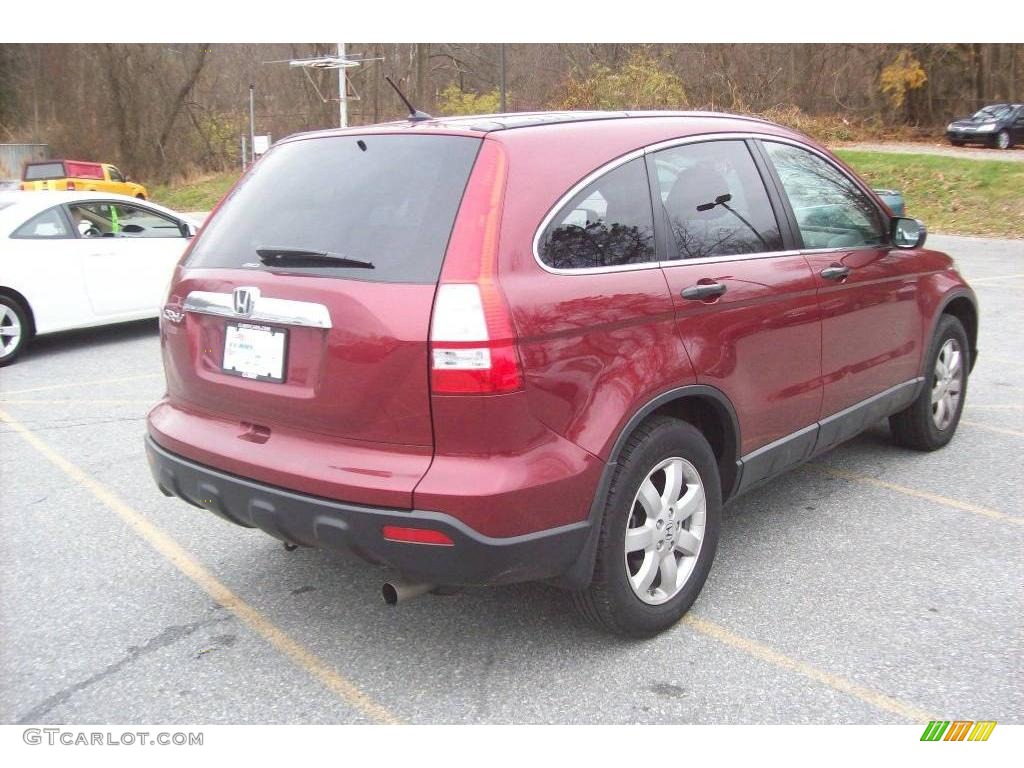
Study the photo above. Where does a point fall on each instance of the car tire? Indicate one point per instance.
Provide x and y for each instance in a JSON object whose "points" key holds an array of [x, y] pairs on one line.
{"points": [[1002, 140], [140, 196], [15, 329], [673, 530], [931, 420]]}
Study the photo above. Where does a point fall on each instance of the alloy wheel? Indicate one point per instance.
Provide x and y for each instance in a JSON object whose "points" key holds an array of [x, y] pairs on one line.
{"points": [[1003, 140], [665, 530], [948, 384], [10, 331]]}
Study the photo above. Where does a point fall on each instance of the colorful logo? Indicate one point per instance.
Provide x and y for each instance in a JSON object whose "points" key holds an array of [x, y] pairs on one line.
{"points": [[958, 730]]}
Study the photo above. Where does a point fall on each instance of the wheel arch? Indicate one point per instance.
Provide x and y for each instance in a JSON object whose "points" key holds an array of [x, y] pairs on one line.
{"points": [[20, 298], [706, 408], [963, 306]]}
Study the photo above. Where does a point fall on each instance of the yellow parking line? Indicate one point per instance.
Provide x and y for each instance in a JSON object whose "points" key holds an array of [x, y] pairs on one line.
{"points": [[997, 430], [763, 652], [933, 497], [180, 559], [83, 384], [1001, 360], [5, 401], [1009, 390], [996, 278]]}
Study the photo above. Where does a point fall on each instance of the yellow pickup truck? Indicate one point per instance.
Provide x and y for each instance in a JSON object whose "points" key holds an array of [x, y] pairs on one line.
{"points": [[76, 175]]}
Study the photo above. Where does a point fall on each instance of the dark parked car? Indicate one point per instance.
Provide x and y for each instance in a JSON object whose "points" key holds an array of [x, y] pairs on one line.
{"points": [[998, 125], [546, 346]]}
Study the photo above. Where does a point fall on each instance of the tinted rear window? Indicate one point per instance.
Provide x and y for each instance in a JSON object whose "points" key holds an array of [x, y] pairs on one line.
{"points": [[390, 200], [41, 171]]}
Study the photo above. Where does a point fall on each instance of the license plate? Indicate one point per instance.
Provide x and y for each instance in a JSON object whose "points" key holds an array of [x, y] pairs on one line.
{"points": [[255, 351]]}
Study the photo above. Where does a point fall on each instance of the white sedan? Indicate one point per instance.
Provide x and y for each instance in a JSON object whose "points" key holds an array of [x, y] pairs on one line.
{"points": [[80, 259]]}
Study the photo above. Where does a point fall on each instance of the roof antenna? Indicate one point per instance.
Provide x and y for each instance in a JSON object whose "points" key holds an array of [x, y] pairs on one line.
{"points": [[415, 115]]}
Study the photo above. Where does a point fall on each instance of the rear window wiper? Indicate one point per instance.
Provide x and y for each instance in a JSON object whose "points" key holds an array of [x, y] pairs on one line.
{"points": [[299, 257]]}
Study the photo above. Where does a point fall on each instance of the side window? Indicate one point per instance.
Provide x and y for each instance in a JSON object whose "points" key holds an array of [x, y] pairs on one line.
{"points": [[830, 209], [117, 220], [135, 221], [49, 223], [94, 219], [115, 175], [714, 200], [608, 224]]}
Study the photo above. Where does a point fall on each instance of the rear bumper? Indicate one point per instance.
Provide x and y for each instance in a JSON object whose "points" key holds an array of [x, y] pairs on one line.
{"points": [[475, 559]]}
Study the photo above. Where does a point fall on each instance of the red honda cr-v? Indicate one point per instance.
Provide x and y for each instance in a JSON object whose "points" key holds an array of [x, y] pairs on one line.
{"points": [[545, 346]]}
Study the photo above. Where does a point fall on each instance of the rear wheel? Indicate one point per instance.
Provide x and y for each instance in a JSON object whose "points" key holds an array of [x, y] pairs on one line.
{"points": [[15, 329], [931, 420], [658, 533]]}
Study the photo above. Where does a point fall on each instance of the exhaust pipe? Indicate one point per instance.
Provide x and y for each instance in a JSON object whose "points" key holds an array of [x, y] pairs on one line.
{"points": [[399, 590]]}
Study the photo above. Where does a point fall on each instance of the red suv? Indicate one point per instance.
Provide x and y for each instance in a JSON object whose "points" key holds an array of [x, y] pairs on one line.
{"points": [[545, 346]]}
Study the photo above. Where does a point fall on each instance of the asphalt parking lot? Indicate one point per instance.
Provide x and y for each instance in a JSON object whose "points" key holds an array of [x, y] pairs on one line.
{"points": [[877, 585]]}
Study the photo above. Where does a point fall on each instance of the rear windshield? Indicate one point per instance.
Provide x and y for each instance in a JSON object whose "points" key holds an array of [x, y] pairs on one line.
{"points": [[42, 171], [388, 200]]}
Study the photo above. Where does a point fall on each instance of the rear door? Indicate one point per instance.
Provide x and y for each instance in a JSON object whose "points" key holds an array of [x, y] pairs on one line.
{"points": [[871, 324], [745, 307], [333, 342]]}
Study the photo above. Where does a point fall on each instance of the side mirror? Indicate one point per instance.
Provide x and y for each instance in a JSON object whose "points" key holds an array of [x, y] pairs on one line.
{"points": [[908, 233], [187, 230]]}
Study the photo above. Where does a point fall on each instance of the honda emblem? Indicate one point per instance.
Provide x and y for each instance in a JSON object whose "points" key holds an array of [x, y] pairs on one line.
{"points": [[245, 298]]}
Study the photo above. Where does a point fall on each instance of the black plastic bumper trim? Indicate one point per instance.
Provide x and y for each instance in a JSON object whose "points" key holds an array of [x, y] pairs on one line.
{"points": [[313, 521]]}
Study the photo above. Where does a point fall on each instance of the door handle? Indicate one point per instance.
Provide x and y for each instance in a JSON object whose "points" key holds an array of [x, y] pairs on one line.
{"points": [[703, 291], [835, 273]]}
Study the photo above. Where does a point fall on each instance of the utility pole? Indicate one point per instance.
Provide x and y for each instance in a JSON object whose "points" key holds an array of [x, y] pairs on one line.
{"points": [[252, 123], [501, 48], [342, 90]]}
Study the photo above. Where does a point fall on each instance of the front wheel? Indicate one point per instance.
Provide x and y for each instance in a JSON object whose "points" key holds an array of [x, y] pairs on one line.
{"points": [[1003, 140], [658, 533], [15, 330], [931, 420]]}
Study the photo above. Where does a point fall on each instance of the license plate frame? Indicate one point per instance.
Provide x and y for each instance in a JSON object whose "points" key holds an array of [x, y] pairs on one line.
{"points": [[253, 366]]}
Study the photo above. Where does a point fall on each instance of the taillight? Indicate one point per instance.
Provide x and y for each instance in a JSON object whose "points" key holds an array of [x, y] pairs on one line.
{"points": [[472, 340]]}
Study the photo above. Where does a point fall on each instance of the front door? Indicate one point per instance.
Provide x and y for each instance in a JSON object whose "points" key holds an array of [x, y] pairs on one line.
{"points": [[1018, 126], [870, 321], [128, 255]]}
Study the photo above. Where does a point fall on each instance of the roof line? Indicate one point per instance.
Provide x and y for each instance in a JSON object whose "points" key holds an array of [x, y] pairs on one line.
{"points": [[493, 123]]}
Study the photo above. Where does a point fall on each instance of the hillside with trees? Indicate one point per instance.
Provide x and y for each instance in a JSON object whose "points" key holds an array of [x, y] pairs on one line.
{"points": [[175, 111]]}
